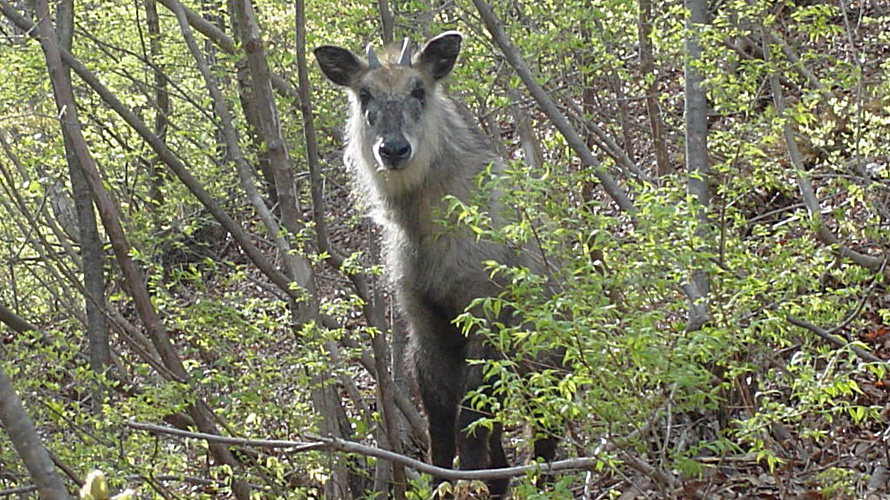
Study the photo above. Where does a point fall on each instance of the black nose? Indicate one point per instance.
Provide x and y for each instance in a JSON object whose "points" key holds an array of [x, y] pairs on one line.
{"points": [[394, 151]]}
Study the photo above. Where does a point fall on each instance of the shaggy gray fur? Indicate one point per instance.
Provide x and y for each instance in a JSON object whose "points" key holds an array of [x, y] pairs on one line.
{"points": [[409, 148]]}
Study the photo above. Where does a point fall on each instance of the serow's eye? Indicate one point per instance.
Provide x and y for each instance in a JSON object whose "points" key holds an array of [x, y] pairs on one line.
{"points": [[418, 93], [364, 96]]}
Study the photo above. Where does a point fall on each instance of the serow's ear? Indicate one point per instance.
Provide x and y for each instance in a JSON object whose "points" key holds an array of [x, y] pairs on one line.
{"points": [[440, 53], [338, 64]]}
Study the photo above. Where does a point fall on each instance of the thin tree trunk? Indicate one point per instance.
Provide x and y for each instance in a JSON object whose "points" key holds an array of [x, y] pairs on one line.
{"points": [[27, 443], [210, 13], [251, 117], [697, 289], [647, 68], [163, 105], [277, 151], [247, 98], [386, 21], [92, 255]]}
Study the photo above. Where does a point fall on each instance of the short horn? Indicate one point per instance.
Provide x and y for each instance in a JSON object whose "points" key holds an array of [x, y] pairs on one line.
{"points": [[373, 62], [405, 56]]}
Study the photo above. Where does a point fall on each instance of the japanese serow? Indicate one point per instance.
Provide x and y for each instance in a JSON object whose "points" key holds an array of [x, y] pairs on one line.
{"points": [[410, 148]]}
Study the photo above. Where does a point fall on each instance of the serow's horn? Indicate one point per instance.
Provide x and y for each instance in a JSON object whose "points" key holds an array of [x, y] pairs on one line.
{"points": [[405, 56], [373, 62]]}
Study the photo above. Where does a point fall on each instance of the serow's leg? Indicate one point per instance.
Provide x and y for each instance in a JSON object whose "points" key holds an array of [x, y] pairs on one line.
{"points": [[481, 448], [544, 449], [439, 393]]}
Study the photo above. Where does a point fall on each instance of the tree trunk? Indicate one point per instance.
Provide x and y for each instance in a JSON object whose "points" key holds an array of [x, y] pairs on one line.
{"points": [[162, 99], [647, 68], [247, 99], [386, 21], [697, 170], [92, 255], [301, 270]]}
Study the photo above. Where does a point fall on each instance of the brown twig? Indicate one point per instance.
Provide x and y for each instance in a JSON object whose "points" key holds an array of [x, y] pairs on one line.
{"points": [[835, 339]]}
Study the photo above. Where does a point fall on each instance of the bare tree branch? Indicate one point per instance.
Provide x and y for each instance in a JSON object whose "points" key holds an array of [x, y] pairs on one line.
{"points": [[14, 321], [27, 443], [161, 94], [614, 190], [318, 442], [835, 339]]}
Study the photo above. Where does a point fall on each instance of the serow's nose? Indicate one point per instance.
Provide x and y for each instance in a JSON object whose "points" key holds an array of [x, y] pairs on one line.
{"points": [[394, 152]]}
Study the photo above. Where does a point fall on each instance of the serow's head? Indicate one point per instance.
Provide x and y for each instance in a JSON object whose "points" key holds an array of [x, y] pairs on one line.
{"points": [[393, 94]]}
